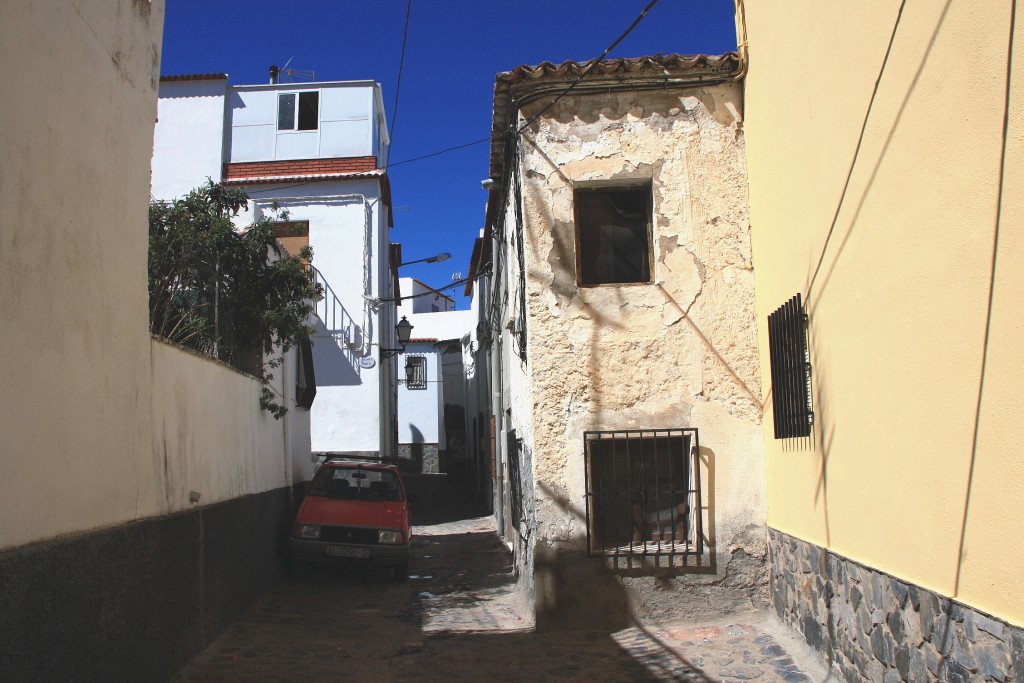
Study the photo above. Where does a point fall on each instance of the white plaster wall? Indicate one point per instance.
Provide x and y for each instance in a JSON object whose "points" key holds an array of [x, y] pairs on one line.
{"points": [[346, 229], [441, 325], [210, 434], [418, 409], [418, 297], [188, 142]]}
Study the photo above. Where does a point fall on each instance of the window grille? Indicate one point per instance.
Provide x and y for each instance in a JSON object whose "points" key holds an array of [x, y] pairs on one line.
{"points": [[416, 372], [791, 370], [643, 492]]}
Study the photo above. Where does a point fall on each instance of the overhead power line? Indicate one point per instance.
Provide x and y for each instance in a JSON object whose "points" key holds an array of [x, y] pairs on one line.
{"points": [[593, 64], [401, 63], [443, 151], [565, 92]]}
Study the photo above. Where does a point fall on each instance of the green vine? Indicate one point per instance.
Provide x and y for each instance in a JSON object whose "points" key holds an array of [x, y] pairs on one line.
{"points": [[233, 295]]}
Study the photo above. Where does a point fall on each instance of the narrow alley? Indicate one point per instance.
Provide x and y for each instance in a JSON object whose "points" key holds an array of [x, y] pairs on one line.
{"points": [[457, 618]]}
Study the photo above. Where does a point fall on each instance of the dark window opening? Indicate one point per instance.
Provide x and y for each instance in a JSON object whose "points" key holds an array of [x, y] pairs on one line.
{"points": [[305, 382], [416, 372], [791, 370], [643, 492], [307, 108], [514, 453], [355, 483], [613, 235]]}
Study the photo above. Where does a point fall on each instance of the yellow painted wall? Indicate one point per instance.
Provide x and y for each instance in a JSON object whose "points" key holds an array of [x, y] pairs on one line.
{"points": [[898, 469]]}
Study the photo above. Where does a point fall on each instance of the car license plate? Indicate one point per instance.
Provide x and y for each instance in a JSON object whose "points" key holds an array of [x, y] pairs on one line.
{"points": [[342, 551]]}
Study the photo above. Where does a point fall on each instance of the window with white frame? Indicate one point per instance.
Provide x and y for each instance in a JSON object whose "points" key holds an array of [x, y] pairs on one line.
{"points": [[298, 110], [415, 372]]}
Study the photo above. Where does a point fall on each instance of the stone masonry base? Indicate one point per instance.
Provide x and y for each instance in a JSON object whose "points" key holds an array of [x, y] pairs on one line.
{"points": [[420, 458], [873, 627]]}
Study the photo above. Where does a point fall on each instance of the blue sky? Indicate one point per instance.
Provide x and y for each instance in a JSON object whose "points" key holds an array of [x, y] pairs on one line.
{"points": [[453, 51]]}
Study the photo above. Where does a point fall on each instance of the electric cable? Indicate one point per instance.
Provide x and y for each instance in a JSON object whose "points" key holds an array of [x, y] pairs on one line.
{"points": [[572, 86], [398, 84], [443, 151], [593, 63]]}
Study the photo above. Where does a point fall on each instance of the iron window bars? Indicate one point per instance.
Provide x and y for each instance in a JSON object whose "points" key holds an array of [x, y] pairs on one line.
{"points": [[415, 372], [791, 370], [643, 493], [515, 484]]}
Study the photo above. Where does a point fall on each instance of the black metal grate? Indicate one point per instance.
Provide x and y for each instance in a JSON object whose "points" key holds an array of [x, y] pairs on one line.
{"points": [[515, 483], [643, 492], [791, 370], [415, 372]]}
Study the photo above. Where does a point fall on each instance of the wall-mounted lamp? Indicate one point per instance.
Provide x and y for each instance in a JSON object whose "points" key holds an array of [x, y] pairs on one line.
{"points": [[443, 256], [488, 183], [404, 331]]}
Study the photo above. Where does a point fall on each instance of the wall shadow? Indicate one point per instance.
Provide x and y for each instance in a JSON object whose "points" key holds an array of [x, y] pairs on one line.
{"points": [[337, 340], [334, 366]]}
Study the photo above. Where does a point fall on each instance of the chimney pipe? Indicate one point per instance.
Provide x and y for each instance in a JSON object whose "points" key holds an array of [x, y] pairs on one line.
{"points": [[273, 74]]}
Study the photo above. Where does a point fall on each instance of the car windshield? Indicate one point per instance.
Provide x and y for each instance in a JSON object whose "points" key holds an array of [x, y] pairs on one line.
{"points": [[356, 483]]}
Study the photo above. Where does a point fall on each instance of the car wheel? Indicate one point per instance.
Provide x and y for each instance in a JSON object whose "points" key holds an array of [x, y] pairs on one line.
{"points": [[400, 572]]}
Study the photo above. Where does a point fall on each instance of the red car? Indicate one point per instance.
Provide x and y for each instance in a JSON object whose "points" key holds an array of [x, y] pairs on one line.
{"points": [[355, 514]]}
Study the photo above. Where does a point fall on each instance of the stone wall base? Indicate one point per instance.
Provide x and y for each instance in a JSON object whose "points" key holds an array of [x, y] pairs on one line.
{"points": [[137, 601], [874, 627], [420, 458]]}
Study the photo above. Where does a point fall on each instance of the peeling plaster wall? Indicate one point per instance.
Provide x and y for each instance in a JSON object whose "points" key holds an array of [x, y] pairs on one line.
{"points": [[681, 352]]}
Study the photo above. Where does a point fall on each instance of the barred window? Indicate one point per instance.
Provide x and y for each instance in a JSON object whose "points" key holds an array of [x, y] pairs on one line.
{"points": [[643, 492], [416, 372], [791, 370]]}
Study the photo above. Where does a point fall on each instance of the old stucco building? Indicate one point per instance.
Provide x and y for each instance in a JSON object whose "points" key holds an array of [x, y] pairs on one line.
{"points": [[628, 439]]}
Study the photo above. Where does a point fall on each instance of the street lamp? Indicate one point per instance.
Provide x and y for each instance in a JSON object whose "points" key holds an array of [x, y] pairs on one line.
{"points": [[404, 331], [443, 256]]}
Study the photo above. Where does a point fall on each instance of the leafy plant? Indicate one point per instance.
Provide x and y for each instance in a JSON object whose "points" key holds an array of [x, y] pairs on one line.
{"points": [[233, 295]]}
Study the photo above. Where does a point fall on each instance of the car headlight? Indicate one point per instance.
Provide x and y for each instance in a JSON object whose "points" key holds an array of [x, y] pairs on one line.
{"points": [[390, 537], [309, 531]]}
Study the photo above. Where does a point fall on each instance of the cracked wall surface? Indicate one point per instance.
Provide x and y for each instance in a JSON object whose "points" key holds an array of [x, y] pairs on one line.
{"points": [[679, 352]]}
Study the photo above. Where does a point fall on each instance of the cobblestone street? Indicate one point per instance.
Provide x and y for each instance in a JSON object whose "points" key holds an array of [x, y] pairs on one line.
{"points": [[457, 618]]}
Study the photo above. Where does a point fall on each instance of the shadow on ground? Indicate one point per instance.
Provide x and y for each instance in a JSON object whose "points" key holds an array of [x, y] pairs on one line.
{"points": [[457, 617]]}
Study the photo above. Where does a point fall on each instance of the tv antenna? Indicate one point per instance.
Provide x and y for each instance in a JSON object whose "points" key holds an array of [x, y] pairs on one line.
{"points": [[294, 75]]}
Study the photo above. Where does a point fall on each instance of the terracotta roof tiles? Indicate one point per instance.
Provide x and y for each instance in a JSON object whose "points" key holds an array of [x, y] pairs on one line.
{"points": [[510, 87], [193, 77]]}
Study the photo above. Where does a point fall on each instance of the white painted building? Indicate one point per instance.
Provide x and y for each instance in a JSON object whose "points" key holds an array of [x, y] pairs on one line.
{"points": [[311, 155], [432, 378]]}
